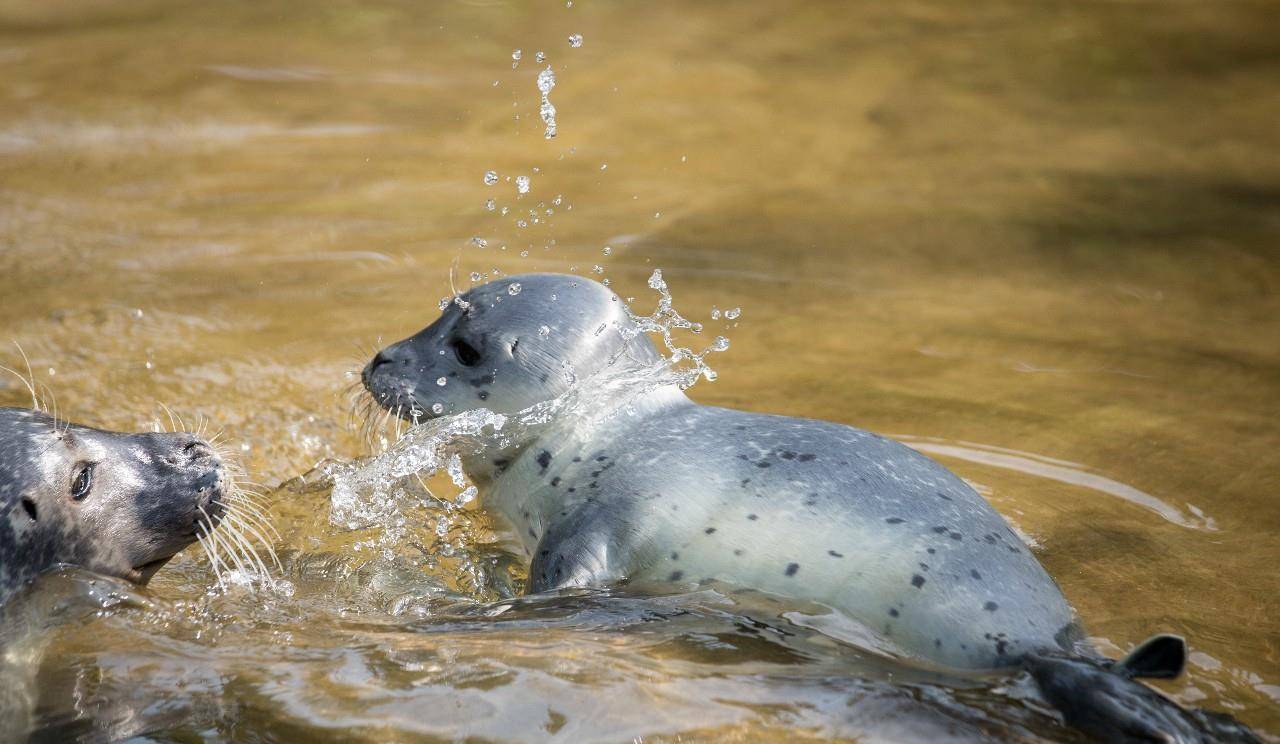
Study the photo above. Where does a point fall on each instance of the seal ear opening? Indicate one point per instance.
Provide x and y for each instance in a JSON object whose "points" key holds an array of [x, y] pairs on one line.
{"points": [[1159, 657], [29, 507]]}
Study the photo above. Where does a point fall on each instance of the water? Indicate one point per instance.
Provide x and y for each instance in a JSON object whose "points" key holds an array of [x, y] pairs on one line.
{"points": [[1047, 228]]}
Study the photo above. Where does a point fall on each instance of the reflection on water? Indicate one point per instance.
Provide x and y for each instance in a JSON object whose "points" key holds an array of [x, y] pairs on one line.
{"points": [[1045, 227], [1059, 470]]}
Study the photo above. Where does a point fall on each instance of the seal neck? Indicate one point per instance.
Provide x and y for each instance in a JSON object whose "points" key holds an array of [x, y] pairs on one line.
{"points": [[566, 433]]}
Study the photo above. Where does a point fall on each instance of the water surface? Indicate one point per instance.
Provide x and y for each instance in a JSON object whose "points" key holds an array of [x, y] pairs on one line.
{"points": [[1035, 239]]}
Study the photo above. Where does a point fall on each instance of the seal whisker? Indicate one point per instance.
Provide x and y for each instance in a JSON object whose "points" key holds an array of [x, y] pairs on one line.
{"points": [[226, 545], [250, 511], [232, 530]]}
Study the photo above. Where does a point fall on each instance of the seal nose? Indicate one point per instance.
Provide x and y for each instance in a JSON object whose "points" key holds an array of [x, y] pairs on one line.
{"points": [[379, 360], [197, 451]]}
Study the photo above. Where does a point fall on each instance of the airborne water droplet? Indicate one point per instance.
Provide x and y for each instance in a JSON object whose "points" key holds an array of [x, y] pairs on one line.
{"points": [[437, 408], [490, 205], [733, 314], [514, 289], [442, 381], [575, 40], [522, 184], [490, 178], [544, 331]]}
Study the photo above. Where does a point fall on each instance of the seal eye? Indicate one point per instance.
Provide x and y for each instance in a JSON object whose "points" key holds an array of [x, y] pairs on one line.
{"points": [[466, 353], [82, 484]]}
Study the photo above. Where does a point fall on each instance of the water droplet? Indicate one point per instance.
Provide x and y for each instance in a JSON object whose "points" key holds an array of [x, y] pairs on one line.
{"points": [[524, 254], [544, 331], [479, 242], [695, 327], [540, 57], [514, 289], [733, 314], [475, 276], [606, 283], [515, 59], [604, 166], [547, 81], [490, 205], [490, 178], [575, 40], [522, 184], [437, 408], [442, 381], [721, 344], [607, 250], [444, 303], [715, 313], [656, 215]]}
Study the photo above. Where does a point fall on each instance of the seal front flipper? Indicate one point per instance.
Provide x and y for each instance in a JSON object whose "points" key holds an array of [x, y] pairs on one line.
{"points": [[575, 552], [1103, 699]]}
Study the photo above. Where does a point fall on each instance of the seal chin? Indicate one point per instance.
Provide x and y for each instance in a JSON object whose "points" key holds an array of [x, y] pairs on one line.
{"points": [[142, 574]]}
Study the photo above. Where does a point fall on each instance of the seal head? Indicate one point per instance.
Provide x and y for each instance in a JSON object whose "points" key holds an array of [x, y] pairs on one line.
{"points": [[505, 346], [116, 503]]}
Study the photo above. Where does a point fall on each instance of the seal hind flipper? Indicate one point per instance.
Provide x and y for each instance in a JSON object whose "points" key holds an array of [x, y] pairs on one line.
{"points": [[1104, 700], [1161, 656]]}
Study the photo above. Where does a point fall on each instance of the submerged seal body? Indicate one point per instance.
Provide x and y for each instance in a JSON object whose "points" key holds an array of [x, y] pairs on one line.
{"points": [[669, 490], [116, 503]]}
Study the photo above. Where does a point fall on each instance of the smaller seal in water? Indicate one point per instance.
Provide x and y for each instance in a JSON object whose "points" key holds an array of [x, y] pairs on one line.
{"points": [[115, 503], [670, 491]]}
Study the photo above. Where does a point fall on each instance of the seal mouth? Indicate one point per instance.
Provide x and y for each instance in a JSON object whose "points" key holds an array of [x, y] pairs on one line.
{"points": [[143, 573]]}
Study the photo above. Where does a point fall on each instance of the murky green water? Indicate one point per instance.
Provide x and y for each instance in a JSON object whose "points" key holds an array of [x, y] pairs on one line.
{"points": [[1044, 227]]}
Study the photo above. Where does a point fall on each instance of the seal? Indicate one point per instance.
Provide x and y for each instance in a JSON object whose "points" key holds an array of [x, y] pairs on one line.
{"points": [[115, 503], [671, 491]]}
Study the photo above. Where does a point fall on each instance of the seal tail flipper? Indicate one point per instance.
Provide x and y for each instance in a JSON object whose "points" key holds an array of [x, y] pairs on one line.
{"points": [[1103, 698]]}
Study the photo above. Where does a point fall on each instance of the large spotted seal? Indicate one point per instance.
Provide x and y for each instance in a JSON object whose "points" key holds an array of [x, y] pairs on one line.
{"points": [[677, 492], [115, 503]]}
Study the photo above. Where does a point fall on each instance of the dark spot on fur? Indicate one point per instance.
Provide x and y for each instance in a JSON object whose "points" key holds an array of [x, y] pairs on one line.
{"points": [[533, 534], [787, 455], [1000, 646], [917, 581], [676, 575], [923, 566], [577, 459], [737, 552], [956, 536], [545, 553], [675, 556], [974, 573], [483, 395], [595, 473], [753, 517], [807, 458], [745, 481], [601, 458], [555, 481], [572, 489], [764, 464], [834, 554], [931, 551], [29, 507], [893, 612], [594, 484], [501, 464], [941, 495], [991, 607], [792, 568], [895, 520], [709, 530], [544, 460], [940, 530]]}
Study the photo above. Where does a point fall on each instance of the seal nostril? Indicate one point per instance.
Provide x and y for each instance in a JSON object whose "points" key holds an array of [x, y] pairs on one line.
{"points": [[196, 450], [378, 360]]}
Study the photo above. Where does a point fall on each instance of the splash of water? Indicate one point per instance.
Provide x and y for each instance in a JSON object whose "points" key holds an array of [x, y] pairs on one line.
{"points": [[547, 81], [386, 492]]}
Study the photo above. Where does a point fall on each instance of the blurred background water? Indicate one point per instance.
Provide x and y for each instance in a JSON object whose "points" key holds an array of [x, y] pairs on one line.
{"points": [[1035, 239]]}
